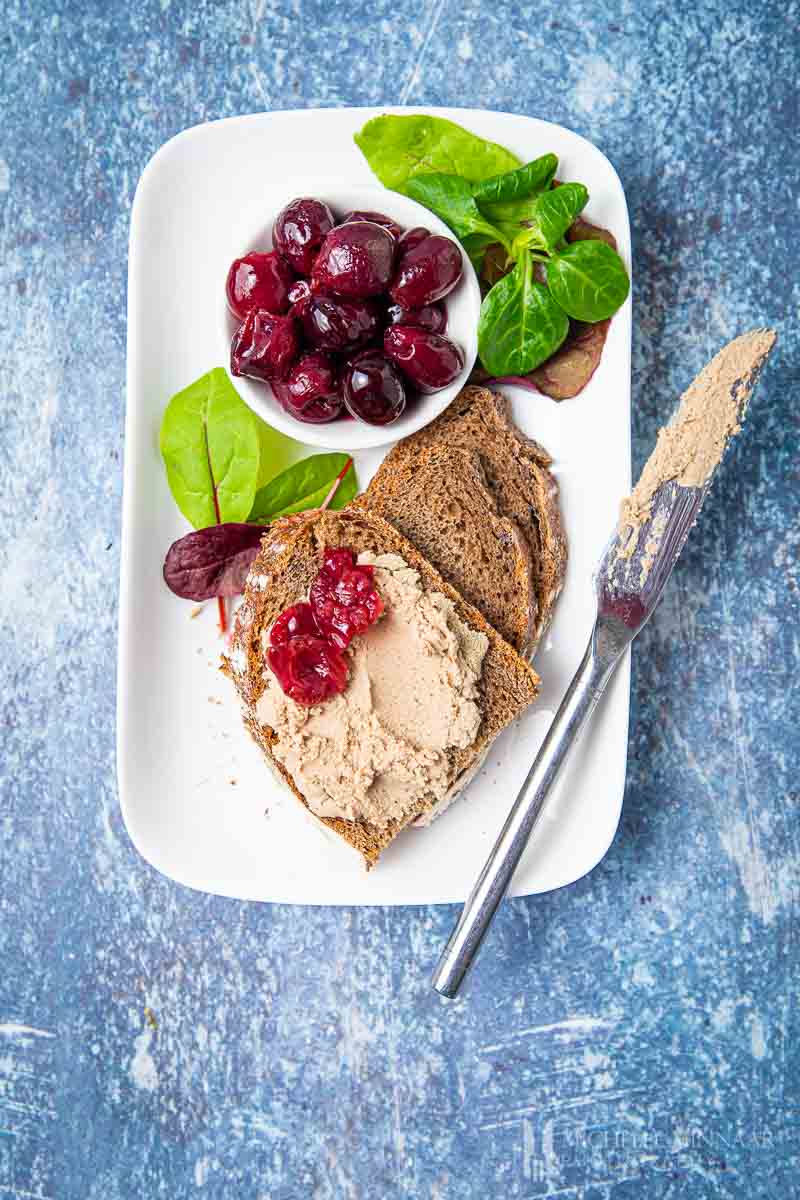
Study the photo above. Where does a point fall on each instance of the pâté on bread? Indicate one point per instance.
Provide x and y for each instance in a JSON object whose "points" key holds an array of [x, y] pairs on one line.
{"points": [[508, 683], [386, 754]]}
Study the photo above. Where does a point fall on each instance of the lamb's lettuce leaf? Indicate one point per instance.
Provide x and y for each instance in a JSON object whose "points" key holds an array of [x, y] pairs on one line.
{"points": [[398, 148]]}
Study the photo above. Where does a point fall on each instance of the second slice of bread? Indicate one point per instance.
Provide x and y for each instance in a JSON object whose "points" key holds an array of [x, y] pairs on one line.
{"points": [[508, 684], [524, 490], [440, 500]]}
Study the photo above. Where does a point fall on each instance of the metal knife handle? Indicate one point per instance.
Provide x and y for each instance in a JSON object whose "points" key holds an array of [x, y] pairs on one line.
{"points": [[606, 646]]}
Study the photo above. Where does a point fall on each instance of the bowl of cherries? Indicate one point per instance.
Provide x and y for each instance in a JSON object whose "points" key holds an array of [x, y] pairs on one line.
{"points": [[352, 320]]}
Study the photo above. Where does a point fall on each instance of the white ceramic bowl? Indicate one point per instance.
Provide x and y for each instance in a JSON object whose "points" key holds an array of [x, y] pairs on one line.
{"points": [[463, 305]]}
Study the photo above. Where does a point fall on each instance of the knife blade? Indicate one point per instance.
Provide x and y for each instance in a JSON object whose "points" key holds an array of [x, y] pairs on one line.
{"points": [[654, 524]]}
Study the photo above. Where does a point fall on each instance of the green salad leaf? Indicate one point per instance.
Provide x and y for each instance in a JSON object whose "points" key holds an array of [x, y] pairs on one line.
{"points": [[304, 485], [506, 214], [275, 452], [588, 280], [450, 197], [551, 215], [210, 444], [520, 323], [513, 186], [509, 200], [398, 148]]}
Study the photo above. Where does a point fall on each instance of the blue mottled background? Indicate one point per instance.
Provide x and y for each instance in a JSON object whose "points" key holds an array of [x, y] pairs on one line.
{"points": [[634, 1035]]}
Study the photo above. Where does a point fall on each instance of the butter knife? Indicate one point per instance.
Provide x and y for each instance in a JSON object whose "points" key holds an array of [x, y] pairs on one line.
{"points": [[654, 523]]}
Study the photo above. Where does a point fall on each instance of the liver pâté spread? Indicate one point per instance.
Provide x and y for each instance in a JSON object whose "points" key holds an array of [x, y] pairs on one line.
{"points": [[690, 447], [375, 751]]}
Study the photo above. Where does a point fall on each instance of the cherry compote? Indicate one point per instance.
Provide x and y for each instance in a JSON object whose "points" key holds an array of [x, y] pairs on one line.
{"points": [[333, 323], [293, 621], [259, 281], [309, 669], [412, 238], [426, 272], [377, 218], [432, 317], [428, 360], [299, 230], [372, 388], [344, 318], [312, 392], [355, 260], [308, 639], [264, 346], [344, 597]]}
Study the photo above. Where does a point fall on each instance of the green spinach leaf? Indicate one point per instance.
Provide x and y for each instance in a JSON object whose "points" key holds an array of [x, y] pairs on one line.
{"points": [[513, 186], [551, 215], [305, 485], [588, 280], [210, 444], [450, 197], [399, 147], [520, 324], [275, 452]]}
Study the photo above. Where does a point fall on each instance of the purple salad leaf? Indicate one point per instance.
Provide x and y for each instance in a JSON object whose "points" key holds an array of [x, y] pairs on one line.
{"points": [[213, 561]]}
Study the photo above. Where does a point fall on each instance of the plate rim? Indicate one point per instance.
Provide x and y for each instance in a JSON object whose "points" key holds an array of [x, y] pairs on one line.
{"points": [[133, 437]]}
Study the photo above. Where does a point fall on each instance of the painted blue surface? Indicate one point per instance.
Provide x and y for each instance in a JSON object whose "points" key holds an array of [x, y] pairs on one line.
{"points": [[634, 1035]]}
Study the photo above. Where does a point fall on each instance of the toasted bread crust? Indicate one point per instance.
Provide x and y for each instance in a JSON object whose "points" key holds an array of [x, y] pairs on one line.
{"points": [[517, 470], [508, 683], [440, 499]]}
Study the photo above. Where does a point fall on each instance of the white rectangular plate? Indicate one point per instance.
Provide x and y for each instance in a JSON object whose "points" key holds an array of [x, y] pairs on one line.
{"points": [[198, 801]]}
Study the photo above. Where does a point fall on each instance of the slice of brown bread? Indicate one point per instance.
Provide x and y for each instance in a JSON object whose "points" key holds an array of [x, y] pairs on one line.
{"points": [[516, 470], [508, 684], [440, 500]]}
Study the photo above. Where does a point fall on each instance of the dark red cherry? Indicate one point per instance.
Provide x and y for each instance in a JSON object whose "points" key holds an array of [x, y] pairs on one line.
{"points": [[333, 323], [258, 281], [309, 669], [432, 317], [312, 391], [299, 230], [372, 388], [428, 360], [344, 597], [300, 290], [412, 238], [426, 272], [264, 346], [300, 296], [355, 260], [378, 218], [296, 620]]}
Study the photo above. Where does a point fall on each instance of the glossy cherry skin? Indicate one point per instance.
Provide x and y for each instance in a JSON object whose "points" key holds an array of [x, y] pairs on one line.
{"points": [[426, 272], [294, 621], [309, 669], [377, 218], [312, 392], [344, 598], [432, 317], [258, 281], [300, 296], [299, 230], [299, 291], [428, 360], [412, 238], [265, 346], [356, 260], [333, 323], [372, 388]]}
